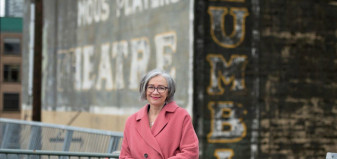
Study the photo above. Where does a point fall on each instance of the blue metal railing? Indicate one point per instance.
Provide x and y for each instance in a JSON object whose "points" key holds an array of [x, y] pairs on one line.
{"points": [[27, 136], [16, 153]]}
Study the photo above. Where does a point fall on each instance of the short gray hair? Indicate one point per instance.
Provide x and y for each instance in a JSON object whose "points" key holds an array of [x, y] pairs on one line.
{"points": [[157, 72]]}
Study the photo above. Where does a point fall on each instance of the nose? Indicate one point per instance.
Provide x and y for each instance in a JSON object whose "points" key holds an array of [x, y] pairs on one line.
{"points": [[155, 90]]}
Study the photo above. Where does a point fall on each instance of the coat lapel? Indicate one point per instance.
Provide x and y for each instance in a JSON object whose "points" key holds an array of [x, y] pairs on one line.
{"points": [[143, 129], [159, 124], [143, 126], [163, 118]]}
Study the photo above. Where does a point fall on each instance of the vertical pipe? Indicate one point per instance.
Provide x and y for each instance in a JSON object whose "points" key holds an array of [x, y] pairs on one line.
{"points": [[37, 60]]}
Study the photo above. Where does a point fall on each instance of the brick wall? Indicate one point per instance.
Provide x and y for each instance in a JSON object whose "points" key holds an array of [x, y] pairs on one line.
{"points": [[274, 94], [298, 71]]}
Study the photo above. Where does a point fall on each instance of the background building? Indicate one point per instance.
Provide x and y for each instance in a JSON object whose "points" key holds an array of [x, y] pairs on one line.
{"points": [[14, 8], [10, 67], [258, 76]]}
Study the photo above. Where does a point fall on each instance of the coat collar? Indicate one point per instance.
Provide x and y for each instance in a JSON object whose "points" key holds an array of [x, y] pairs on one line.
{"points": [[149, 134], [170, 107]]}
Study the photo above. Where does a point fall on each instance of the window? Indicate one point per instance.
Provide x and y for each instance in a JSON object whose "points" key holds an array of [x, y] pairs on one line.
{"points": [[11, 73], [12, 46], [11, 102]]}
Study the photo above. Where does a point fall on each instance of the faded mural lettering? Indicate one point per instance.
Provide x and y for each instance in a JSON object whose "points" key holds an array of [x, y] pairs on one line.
{"points": [[223, 153], [231, 72], [227, 73], [97, 51], [111, 57], [217, 17], [226, 122]]}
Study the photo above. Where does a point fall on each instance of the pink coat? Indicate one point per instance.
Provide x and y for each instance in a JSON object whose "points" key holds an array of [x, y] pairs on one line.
{"points": [[172, 135]]}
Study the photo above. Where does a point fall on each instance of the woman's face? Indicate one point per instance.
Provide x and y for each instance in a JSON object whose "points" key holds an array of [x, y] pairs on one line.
{"points": [[158, 96]]}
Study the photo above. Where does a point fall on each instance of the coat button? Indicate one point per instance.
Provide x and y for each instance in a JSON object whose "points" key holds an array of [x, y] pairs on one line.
{"points": [[146, 155]]}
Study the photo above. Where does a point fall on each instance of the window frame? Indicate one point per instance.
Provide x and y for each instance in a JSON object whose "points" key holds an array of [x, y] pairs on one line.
{"points": [[3, 73], [4, 42], [17, 109]]}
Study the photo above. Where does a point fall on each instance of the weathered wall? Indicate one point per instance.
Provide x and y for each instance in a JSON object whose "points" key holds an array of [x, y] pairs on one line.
{"points": [[264, 72], [298, 72], [272, 94], [95, 53], [226, 79]]}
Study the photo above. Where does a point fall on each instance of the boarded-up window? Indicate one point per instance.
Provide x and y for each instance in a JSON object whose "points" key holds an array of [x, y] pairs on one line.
{"points": [[11, 101]]}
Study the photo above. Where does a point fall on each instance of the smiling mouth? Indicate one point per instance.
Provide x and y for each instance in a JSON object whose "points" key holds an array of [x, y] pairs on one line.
{"points": [[155, 97]]}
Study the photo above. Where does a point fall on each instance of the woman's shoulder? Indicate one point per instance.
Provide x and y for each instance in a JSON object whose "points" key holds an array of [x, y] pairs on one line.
{"points": [[137, 115], [179, 110], [183, 111]]}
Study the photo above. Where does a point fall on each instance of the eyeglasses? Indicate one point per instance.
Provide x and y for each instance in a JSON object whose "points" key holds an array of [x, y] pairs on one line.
{"points": [[160, 89]]}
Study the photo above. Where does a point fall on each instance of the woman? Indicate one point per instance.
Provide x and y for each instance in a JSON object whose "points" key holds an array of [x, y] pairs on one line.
{"points": [[161, 129]]}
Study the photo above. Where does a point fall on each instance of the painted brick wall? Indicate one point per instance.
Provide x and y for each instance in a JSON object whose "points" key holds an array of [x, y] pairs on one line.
{"points": [[298, 72], [226, 78], [286, 104]]}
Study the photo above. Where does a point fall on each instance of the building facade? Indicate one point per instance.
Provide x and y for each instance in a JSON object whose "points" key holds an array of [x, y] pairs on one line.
{"points": [[10, 67], [258, 75]]}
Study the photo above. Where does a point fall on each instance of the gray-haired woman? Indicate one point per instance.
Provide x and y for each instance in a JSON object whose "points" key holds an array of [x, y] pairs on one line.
{"points": [[161, 129]]}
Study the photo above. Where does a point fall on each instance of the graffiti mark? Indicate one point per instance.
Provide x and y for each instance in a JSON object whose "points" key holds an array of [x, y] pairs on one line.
{"points": [[231, 72], [226, 122], [218, 33]]}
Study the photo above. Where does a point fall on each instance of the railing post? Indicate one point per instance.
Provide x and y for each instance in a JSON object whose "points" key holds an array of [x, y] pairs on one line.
{"points": [[35, 140], [113, 144], [6, 136], [67, 140], [111, 147]]}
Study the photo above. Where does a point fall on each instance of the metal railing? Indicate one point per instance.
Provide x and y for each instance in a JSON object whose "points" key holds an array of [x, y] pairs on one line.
{"points": [[27, 136], [16, 154]]}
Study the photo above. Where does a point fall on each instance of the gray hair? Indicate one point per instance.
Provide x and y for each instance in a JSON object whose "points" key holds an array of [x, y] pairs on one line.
{"points": [[156, 72]]}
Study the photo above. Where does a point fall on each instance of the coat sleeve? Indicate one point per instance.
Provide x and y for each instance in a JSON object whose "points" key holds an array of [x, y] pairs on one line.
{"points": [[189, 144], [125, 150]]}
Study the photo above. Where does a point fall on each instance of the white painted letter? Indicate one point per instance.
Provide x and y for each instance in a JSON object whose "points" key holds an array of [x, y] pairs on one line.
{"points": [[166, 45], [104, 69], [105, 11], [140, 51], [118, 50], [78, 69], [88, 51]]}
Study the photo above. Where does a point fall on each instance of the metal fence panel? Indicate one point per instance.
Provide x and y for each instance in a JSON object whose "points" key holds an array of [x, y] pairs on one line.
{"points": [[28, 135], [30, 154]]}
